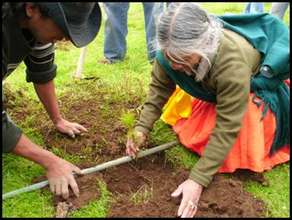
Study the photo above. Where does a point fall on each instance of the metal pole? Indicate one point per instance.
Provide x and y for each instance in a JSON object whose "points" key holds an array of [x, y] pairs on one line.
{"points": [[100, 167], [78, 73]]}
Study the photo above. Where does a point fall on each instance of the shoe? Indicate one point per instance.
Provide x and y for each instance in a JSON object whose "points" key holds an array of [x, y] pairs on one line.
{"points": [[105, 61]]}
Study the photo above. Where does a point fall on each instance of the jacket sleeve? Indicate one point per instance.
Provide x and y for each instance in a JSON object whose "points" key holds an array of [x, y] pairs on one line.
{"points": [[160, 89], [40, 64], [10, 133], [233, 86]]}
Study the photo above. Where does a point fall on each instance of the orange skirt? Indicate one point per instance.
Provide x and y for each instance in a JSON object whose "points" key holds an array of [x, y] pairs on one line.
{"points": [[193, 120]]}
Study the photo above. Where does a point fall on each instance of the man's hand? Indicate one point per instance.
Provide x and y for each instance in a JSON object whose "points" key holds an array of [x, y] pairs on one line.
{"points": [[60, 176], [191, 192], [69, 128], [134, 142], [59, 171]]}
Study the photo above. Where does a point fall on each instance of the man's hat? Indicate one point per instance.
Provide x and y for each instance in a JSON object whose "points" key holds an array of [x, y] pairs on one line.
{"points": [[80, 21]]}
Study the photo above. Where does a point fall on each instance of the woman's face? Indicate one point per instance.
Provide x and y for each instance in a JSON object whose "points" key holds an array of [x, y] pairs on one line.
{"points": [[186, 65], [43, 29]]}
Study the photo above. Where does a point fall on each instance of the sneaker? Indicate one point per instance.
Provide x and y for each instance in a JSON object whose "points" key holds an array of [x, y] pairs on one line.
{"points": [[105, 61]]}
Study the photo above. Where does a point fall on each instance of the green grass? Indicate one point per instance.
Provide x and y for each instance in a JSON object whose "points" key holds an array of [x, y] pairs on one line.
{"points": [[128, 119], [121, 81], [97, 208], [276, 195], [143, 195], [32, 204]]}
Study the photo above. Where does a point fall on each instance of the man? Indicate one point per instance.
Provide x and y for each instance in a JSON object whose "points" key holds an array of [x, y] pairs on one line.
{"points": [[116, 30], [279, 8], [28, 33], [254, 7]]}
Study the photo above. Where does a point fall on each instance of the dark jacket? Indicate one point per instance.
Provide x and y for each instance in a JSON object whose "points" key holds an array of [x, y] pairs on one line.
{"points": [[19, 45]]}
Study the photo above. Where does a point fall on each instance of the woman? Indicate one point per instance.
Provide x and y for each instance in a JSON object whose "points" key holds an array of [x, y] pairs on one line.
{"points": [[232, 101]]}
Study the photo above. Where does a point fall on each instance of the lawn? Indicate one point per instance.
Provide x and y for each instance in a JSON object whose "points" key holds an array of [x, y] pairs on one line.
{"points": [[121, 82]]}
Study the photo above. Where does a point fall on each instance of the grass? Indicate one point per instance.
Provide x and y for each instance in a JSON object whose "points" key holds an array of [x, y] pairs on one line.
{"points": [[276, 195], [128, 119], [97, 208], [143, 195], [122, 81]]}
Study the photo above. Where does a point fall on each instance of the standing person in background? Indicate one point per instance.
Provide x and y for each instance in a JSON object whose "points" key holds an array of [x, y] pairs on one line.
{"points": [[116, 30], [254, 7], [279, 8], [28, 33]]}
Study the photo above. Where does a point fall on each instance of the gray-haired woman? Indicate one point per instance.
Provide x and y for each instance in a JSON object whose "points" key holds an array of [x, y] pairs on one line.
{"points": [[232, 107]]}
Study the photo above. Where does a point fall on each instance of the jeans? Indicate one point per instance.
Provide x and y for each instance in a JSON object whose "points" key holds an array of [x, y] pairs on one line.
{"points": [[116, 29], [279, 8], [254, 7]]}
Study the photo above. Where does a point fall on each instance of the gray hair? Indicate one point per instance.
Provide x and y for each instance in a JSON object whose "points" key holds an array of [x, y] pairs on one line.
{"points": [[184, 29]]}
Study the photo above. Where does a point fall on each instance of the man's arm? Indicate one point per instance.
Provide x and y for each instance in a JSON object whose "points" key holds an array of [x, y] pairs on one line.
{"points": [[41, 70], [31, 151], [47, 95], [59, 171]]}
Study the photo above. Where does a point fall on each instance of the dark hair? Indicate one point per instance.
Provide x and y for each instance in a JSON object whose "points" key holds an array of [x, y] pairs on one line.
{"points": [[18, 10]]}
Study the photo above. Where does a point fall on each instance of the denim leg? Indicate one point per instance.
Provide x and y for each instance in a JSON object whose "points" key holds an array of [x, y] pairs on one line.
{"points": [[116, 30], [279, 8], [167, 4], [151, 12], [254, 7]]}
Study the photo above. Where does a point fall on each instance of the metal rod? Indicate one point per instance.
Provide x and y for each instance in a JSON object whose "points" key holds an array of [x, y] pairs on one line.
{"points": [[78, 74], [100, 167]]}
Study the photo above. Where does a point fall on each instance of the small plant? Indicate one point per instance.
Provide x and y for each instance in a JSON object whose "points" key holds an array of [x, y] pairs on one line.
{"points": [[143, 195], [128, 120], [86, 149]]}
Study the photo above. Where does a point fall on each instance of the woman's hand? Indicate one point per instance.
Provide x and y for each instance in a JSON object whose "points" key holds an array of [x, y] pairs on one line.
{"points": [[191, 192], [134, 142], [69, 128]]}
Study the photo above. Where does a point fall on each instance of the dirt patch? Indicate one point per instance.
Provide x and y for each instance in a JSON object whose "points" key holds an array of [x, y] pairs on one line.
{"points": [[154, 180], [16, 103], [248, 175], [106, 136], [227, 198], [142, 188], [88, 191]]}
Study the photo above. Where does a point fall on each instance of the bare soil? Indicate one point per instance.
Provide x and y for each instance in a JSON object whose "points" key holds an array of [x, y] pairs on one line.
{"points": [[140, 188], [223, 198]]}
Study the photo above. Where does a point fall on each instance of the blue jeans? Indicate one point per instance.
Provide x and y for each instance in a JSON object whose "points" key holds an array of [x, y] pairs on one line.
{"points": [[116, 29], [279, 8], [254, 7]]}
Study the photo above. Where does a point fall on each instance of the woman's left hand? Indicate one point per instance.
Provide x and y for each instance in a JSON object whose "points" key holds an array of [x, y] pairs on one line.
{"points": [[69, 128], [191, 192]]}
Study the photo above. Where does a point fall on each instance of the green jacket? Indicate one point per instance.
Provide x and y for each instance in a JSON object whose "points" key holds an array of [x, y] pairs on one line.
{"points": [[229, 78], [270, 36]]}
